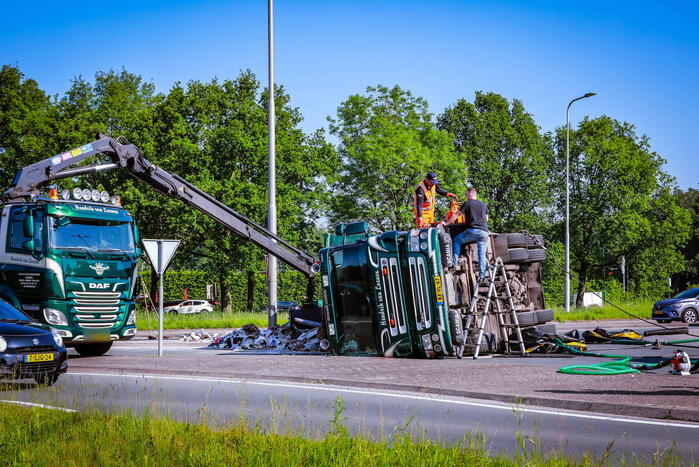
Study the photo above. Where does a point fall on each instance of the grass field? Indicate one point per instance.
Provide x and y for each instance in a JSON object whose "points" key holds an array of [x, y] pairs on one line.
{"points": [[38, 437], [213, 320], [638, 308], [217, 319]]}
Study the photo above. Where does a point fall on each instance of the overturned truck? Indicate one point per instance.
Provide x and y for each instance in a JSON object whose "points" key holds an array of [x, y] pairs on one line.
{"points": [[399, 294], [402, 294]]}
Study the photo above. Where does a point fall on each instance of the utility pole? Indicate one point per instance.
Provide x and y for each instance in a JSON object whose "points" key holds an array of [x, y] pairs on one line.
{"points": [[272, 169]]}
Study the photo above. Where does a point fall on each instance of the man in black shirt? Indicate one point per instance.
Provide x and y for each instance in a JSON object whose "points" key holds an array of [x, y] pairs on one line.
{"points": [[476, 213]]}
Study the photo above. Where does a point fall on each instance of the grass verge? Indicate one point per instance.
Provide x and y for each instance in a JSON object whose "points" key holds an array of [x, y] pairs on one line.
{"points": [[38, 437], [213, 320], [638, 308]]}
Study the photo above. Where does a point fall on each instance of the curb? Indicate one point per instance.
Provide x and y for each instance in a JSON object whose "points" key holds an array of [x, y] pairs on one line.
{"points": [[661, 413]]}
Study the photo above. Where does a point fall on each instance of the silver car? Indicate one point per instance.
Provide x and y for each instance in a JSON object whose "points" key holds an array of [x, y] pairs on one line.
{"points": [[683, 306]]}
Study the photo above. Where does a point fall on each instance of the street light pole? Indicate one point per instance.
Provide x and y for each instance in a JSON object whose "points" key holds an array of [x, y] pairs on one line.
{"points": [[567, 239], [272, 186]]}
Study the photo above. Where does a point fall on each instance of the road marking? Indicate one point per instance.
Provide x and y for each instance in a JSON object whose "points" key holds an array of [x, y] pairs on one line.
{"points": [[399, 396], [41, 406]]}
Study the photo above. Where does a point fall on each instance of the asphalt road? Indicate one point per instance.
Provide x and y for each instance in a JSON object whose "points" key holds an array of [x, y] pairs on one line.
{"points": [[308, 408]]}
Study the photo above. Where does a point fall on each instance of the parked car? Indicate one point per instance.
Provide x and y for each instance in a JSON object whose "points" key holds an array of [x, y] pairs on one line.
{"points": [[683, 306], [189, 307], [29, 349]]}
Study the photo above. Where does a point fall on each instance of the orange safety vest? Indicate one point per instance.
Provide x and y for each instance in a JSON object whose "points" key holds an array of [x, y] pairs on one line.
{"points": [[427, 204], [453, 209]]}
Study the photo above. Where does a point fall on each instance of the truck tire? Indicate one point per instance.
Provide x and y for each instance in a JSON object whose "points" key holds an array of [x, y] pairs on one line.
{"points": [[516, 240], [518, 255], [535, 241], [537, 254], [546, 328], [533, 318], [93, 350]]}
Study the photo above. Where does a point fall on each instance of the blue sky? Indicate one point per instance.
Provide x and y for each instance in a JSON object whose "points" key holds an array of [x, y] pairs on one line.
{"points": [[640, 57]]}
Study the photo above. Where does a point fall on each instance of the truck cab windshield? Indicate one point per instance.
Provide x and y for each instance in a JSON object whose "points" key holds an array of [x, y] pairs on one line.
{"points": [[90, 234]]}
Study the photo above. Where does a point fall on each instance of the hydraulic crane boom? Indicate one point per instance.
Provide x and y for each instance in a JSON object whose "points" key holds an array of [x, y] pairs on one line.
{"points": [[127, 156]]}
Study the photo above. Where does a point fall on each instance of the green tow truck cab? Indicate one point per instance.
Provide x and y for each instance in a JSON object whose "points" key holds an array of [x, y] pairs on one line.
{"points": [[71, 263], [384, 294]]}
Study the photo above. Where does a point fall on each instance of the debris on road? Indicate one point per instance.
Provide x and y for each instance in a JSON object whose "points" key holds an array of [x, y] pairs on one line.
{"points": [[280, 339]]}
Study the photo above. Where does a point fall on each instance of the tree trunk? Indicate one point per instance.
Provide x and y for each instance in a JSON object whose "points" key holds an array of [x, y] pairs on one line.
{"points": [[250, 303], [226, 301], [310, 288], [582, 275], [154, 290]]}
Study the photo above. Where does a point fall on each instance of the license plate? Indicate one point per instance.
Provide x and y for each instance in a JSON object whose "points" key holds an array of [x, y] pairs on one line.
{"points": [[97, 335], [38, 357]]}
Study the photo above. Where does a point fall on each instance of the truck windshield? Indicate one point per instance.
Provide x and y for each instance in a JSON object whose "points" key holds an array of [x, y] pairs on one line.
{"points": [[354, 314], [90, 234]]}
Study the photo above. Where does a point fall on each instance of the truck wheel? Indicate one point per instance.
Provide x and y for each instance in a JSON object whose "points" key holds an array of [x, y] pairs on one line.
{"points": [[518, 255], [93, 350], [532, 318], [46, 379], [535, 241], [457, 334], [689, 316], [537, 254], [516, 240], [446, 250]]}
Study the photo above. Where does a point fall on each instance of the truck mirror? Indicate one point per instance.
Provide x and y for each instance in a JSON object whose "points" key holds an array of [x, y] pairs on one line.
{"points": [[136, 237], [28, 226], [29, 245]]}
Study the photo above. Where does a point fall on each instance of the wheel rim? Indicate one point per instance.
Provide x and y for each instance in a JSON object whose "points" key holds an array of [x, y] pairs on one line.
{"points": [[690, 316]]}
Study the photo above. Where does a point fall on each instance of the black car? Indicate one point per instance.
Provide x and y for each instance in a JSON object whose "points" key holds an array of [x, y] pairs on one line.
{"points": [[29, 349], [683, 306]]}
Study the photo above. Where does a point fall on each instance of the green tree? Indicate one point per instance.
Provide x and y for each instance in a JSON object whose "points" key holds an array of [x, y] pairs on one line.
{"points": [[506, 157], [689, 200], [387, 142], [621, 204], [27, 123]]}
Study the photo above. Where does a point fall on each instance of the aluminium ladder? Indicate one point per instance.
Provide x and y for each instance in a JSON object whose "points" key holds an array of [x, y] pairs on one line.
{"points": [[496, 274]]}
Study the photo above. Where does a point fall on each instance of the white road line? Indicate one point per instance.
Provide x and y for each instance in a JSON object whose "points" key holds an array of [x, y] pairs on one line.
{"points": [[41, 406], [400, 396]]}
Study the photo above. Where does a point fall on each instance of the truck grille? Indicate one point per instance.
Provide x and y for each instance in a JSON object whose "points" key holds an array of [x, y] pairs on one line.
{"points": [[419, 288], [96, 310], [394, 303]]}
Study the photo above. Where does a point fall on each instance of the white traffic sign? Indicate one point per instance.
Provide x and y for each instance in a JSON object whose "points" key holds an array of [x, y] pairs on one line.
{"points": [[160, 252]]}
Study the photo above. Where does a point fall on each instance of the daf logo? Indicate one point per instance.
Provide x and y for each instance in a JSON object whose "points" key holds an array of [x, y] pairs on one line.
{"points": [[35, 341], [93, 285], [99, 268]]}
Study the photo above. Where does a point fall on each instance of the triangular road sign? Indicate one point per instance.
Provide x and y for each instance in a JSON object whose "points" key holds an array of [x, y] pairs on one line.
{"points": [[160, 252]]}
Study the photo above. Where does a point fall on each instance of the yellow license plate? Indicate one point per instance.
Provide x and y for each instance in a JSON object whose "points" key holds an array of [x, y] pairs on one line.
{"points": [[39, 357], [438, 288]]}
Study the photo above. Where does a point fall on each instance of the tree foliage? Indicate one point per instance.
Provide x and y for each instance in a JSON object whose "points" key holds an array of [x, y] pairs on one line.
{"points": [[387, 142], [506, 157], [621, 204]]}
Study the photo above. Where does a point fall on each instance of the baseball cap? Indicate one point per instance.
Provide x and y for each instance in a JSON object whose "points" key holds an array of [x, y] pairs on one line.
{"points": [[432, 176]]}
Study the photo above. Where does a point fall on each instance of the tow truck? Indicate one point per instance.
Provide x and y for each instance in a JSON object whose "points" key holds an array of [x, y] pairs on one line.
{"points": [[389, 294]]}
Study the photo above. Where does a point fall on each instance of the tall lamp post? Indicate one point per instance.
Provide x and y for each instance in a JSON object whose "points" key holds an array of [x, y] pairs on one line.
{"points": [[272, 208], [567, 239]]}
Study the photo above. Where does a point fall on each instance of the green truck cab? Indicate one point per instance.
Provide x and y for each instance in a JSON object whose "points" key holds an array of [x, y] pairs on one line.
{"points": [[384, 294], [71, 263]]}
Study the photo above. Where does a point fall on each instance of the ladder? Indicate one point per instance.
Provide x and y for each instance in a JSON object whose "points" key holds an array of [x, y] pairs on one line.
{"points": [[496, 274]]}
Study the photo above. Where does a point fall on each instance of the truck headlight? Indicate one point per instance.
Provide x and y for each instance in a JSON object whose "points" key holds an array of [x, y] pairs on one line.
{"points": [[132, 318], [3, 344], [55, 317], [57, 337]]}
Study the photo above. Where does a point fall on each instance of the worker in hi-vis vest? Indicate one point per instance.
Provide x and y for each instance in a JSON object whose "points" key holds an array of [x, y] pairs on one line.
{"points": [[424, 198]]}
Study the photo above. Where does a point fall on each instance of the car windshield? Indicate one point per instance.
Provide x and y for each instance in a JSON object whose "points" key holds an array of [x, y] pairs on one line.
{"points": [[691, 293], [7, 311], [90, 234]]}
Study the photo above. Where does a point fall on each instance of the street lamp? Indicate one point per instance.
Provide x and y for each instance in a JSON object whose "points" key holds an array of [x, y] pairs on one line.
{"points": [[567, 239]]}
